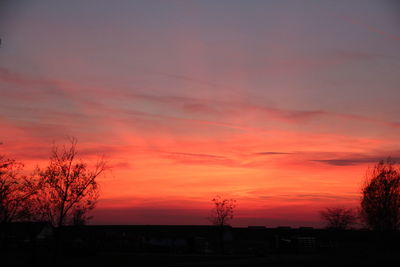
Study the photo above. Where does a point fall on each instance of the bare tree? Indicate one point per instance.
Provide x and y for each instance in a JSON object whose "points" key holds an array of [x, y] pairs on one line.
{"points": [[221, 215], [16, 191], [222, 212], [380, 203], [338, 217], [68, 187]]}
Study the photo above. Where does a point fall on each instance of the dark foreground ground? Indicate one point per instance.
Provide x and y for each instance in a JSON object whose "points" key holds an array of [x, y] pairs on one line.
{"points": [[38, 244], [369, 258], [271, 260]]}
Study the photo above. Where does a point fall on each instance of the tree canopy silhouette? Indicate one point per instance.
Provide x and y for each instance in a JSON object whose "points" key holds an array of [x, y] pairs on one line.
{"points": [[222, 212], [68, 188], [380, 203], [16, 191], [338, 217]]}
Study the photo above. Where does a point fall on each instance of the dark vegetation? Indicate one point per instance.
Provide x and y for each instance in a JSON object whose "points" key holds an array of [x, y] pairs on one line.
{"points": [[62, 193], [43, 217], [339, 218], [380, 204]]}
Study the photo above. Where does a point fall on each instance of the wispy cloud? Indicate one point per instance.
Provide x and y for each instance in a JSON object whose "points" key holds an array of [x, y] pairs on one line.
{"points": [[313, 197], [352, 159], [202, 109], [201, 159], [9, 76], [268, 153], [197, 155], [370, 28]]}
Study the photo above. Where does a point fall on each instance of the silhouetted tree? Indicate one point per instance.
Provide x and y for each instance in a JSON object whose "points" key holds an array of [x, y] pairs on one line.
{"points": [[221, 215], [68, 188], [222, 212], [16, 191], [380, 203], [338, 217]]}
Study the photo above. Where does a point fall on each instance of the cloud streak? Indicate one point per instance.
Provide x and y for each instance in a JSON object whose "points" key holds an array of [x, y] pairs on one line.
{"points": [[370, 28], [353, 161], [271, 153], [227, 111]]}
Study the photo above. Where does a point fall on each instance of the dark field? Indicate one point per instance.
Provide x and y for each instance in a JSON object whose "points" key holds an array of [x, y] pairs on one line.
{"points": [[37, 244], [161, 259]]}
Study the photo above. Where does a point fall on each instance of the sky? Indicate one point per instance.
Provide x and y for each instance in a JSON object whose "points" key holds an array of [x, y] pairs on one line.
{"points": [[281, 105]]}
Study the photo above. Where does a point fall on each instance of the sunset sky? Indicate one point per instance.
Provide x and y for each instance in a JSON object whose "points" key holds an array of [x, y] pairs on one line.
{"points": [[281, 105]]}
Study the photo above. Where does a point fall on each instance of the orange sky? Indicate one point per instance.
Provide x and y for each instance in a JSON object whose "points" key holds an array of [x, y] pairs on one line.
{"points": [[281, 106]]}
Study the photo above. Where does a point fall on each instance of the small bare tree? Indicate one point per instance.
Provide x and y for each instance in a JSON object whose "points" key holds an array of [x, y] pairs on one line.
{"points": [[221, 215], [222, 212], [68, 188], [16, 191], [338, 217]]}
